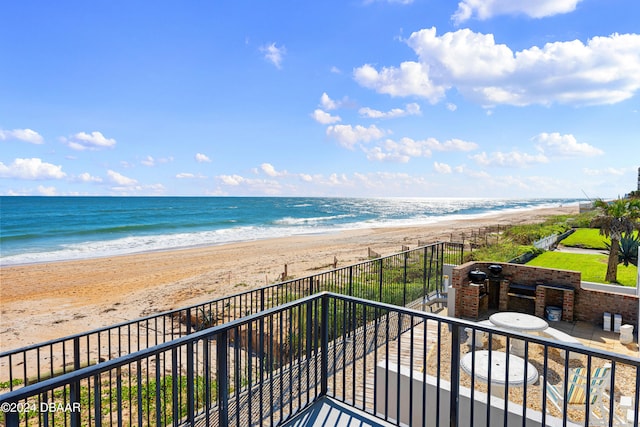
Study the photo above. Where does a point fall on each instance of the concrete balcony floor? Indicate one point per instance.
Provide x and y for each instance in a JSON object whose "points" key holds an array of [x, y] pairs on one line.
{"points": [[594, 336]]}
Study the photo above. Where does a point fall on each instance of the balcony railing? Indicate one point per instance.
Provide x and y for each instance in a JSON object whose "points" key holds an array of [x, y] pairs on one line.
{"points": [[397, 364], [400, 279]]}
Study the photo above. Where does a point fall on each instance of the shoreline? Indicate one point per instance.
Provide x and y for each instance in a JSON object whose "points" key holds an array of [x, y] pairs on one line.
{"points": [[66, 297], [56, 255]]}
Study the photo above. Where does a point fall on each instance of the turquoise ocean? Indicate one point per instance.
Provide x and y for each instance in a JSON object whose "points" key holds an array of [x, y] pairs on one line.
{"points": [[45, 229]]}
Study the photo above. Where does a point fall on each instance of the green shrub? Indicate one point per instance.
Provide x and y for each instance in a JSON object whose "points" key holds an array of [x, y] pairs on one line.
{"points": [[582, 220], [628, 251], [501, 252], [526, 234]]}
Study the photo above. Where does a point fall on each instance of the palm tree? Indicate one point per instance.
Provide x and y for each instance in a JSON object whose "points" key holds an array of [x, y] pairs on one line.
{"points": [[615, 219]]}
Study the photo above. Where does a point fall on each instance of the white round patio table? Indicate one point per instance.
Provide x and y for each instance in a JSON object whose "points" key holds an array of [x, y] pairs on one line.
{"points": [[518, 322], [499, 376]]}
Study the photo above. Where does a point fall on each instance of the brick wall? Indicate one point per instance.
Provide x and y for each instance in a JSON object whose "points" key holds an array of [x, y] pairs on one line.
{"points": [[593, 304], [469, 303], [581, 304]]}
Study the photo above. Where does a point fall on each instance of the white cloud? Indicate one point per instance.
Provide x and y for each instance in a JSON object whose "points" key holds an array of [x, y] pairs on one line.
{"points": [[392, 152], [47, 191], [120, 179], [202, 158], [412, 109], [244, 185], [84, 141], [335, 70], [605, 171], [152, 161], [151, 189], [148, 161], [401, 150], [451, 106], [408, 148], [461, 55], [565, 145], [348, 136], [451, 145], [274, 54], [268, 169], [187, 175], [442, 168], [405, 149], [87, 177], [232, 180], [34, 169], [373, 184], [605, 70], [327, 103], [324, 118], [513, 159], [485, 9], [410, 79], [478, 174], [26, 135]]}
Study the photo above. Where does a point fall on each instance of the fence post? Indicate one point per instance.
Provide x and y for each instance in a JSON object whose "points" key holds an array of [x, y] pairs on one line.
{"points": [[175, 394], [424, 278], [190, 386], [222, 374], [380, 279], [440, 278], [404, 279], [12, 418], [309, 328], [206, 369], [324, 343], [455, 375], [74, 391]]}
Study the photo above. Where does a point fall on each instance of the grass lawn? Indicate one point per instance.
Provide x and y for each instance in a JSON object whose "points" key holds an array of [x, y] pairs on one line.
{"points": [[589, 238], [592, 267]]}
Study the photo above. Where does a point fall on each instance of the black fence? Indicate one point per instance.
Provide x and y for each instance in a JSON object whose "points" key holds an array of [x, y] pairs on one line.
{"points": [[396, 364], [402, 279]]}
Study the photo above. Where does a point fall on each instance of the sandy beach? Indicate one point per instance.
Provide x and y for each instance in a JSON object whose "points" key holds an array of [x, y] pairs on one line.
{"points": [[40, 302]]}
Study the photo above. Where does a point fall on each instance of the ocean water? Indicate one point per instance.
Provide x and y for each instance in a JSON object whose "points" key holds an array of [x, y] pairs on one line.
{"points": [[45, 229]]}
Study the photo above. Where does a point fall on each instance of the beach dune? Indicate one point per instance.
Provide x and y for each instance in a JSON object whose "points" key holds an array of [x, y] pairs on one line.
{"points": [[51, 300]]}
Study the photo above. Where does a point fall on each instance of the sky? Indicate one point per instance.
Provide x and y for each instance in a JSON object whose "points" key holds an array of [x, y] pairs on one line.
{"points": [[353, 98]]}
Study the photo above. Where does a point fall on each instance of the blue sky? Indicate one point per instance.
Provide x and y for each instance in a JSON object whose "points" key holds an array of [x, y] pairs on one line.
{"points": [[422, 98]]}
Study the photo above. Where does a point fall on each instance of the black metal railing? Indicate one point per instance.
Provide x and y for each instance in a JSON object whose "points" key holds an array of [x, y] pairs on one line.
{"points": [[401, 279], [397, 364]]}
